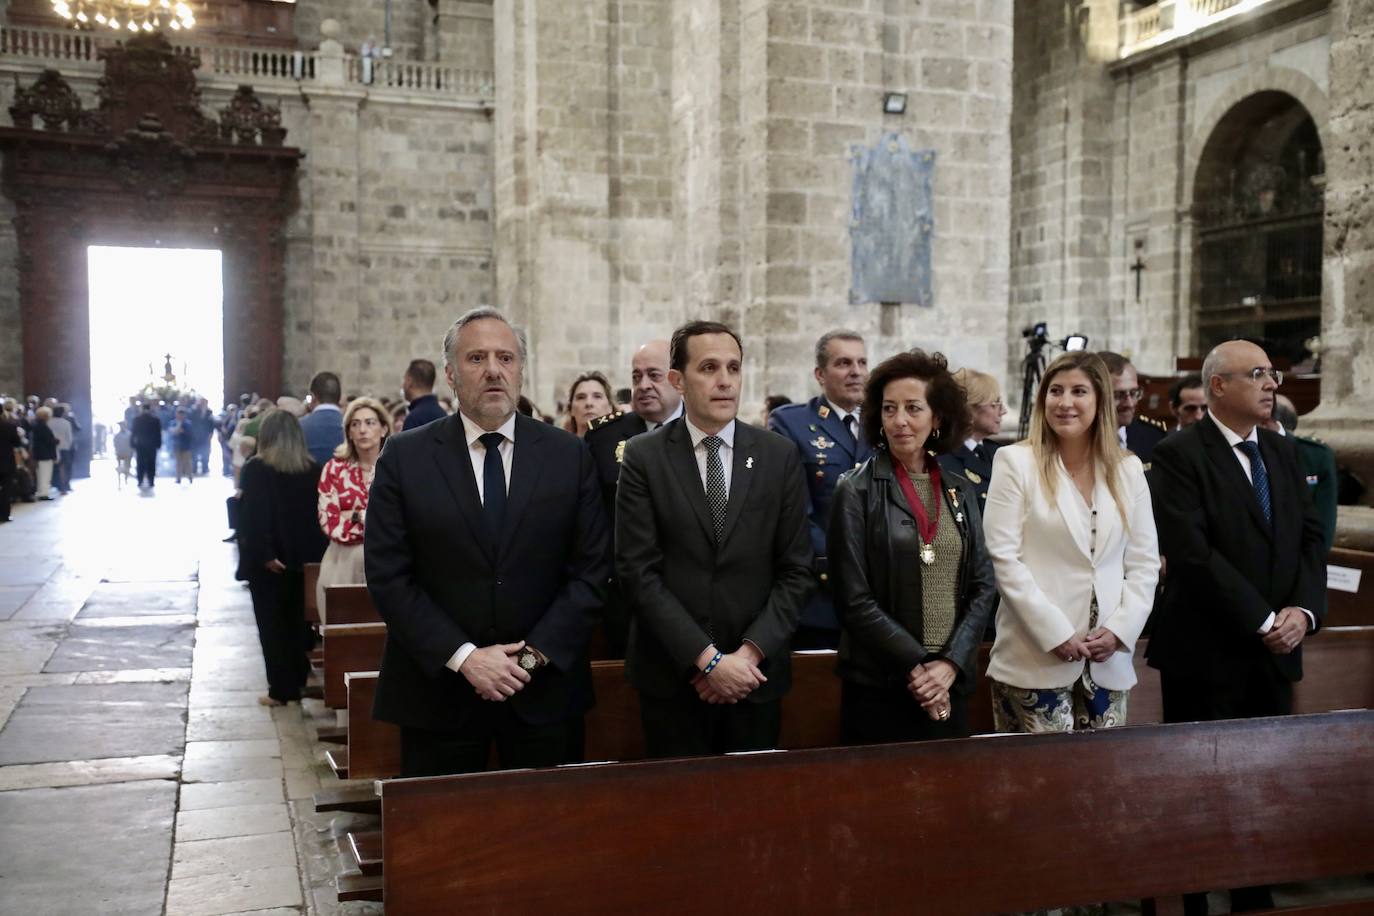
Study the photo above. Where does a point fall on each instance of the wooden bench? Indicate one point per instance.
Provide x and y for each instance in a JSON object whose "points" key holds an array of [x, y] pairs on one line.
{"points": [[1351, 609], [1339, 666], [349, 604], [974, 826], [349, 647]]}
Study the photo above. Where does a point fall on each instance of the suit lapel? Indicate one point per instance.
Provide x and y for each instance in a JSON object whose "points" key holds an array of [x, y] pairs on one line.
{"points": [[741, 476], [883, 470], [684, 465], [1108, 519], [1224, 460], [455, 466], [524, 476]]}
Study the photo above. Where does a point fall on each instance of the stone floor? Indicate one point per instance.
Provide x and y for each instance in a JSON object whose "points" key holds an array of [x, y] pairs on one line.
{"points": [[138, 774]]}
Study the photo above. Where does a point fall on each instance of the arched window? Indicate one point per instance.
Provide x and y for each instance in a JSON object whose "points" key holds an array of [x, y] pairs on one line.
{"points": [[1258, 210]]}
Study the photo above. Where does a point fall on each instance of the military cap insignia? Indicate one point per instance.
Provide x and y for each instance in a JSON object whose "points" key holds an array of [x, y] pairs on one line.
{"points": [[975, 478], [620, 451], [824, 411]]}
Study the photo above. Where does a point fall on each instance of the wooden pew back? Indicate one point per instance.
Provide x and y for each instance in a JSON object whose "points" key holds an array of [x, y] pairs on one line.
{"points": [[975, 826], [349, 604], [1351, 609], [374, 748], [349, 647]]}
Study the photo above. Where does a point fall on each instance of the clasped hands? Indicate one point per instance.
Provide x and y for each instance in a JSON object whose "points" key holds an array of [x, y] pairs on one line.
{"points": [[929, 683], [733, 678], [493, 671], [1290, 626], [1097, 646]]}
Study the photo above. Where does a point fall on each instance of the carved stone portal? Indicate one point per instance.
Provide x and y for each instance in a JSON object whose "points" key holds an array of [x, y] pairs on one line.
{"points": [[146, 168]]}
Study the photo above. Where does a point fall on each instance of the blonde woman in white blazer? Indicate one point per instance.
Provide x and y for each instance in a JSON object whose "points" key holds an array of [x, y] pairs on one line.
{"points": [[1071, 533]]}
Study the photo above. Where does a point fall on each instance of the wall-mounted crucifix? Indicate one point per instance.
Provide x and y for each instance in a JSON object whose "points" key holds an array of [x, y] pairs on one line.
{"points": [[1138, 267]]}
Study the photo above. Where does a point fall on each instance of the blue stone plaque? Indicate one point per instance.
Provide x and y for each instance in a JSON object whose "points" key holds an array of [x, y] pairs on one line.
{"points": [[892, 222]]}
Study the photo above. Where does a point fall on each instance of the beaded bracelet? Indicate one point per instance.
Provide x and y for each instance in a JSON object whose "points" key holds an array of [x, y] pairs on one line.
{"points": [[711, 665]]}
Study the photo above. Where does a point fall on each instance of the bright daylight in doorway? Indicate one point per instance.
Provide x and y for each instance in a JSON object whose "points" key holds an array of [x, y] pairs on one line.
{"points": [[150, 307]]}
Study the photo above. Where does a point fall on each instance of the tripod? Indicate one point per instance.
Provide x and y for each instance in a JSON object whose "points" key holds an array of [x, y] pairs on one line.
{"points": [[1032, 368]]}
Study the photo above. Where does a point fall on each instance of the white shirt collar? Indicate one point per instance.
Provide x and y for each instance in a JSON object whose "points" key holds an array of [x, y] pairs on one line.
{"points": [[666, 420], [840, 412], [727, 435], [333, 407], [1232, 437], [971, 443], [472, 431], [1282, 431]]}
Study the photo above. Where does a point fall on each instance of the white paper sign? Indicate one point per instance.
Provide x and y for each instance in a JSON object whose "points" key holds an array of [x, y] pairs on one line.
{"points": [[1343, 579]]}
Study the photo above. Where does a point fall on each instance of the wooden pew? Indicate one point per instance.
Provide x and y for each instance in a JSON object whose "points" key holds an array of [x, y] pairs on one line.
{"points": [[972, 826], [1351, 609], [349, 604], [349, 647], [374, 748], [1339, 666], [312, 576]]}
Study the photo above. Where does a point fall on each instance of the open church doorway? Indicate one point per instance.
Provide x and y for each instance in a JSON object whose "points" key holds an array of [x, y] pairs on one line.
{"points": [[156, 335]]}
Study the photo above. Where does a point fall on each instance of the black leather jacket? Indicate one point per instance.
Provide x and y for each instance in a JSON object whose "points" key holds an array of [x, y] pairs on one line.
{"points": [[875, 570]]}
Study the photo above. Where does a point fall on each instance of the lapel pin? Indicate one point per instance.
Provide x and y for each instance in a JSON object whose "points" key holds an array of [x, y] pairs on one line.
{"points": [[823, 411], [749, 462]]}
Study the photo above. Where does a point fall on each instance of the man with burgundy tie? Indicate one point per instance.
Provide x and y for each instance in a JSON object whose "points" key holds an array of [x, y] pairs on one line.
{"points": [[487, 553], [713, 556], [1246, 573]]}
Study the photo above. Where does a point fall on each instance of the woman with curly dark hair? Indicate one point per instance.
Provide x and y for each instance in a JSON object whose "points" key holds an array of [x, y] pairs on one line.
{"points": [[910, 575]]}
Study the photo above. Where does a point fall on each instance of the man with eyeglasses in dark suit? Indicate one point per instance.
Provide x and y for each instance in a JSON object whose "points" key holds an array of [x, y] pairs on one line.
{"points": [[1246, 562], [1139, 435]]}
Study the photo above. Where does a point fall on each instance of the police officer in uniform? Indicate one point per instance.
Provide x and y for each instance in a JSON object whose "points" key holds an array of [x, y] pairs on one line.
{"points": [[973, 459], [1138, 434], [655, 402], [830, 440]]}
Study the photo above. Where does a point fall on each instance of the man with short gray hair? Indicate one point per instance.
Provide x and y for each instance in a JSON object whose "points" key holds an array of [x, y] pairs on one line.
{"points": [[486, 552]]}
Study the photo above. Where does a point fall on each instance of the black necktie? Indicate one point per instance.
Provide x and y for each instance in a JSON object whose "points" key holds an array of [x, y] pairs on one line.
{"points": [[716, 496], [979, 453], [849, 426], [493, 483]]}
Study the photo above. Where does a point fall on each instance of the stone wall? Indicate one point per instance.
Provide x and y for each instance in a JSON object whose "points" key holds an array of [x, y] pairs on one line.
{"points": [[724, 189]]}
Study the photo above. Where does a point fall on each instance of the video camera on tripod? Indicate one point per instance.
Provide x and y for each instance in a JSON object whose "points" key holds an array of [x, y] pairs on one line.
{"points": [[1037, 338]]}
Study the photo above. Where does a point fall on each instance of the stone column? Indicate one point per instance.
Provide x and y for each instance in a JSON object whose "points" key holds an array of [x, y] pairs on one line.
{"points": [[1345, 418]]}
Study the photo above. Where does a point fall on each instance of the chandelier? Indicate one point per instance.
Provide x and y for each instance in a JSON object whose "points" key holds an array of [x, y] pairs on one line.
{"points": [[130, 15]]}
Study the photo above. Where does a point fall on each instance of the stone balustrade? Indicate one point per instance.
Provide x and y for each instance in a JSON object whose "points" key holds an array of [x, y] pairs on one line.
{"points": [[1169, 19], [78, 53]]}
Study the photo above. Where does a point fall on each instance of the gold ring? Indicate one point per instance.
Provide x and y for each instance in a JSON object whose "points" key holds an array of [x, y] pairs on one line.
{"points": [[944, 714]]}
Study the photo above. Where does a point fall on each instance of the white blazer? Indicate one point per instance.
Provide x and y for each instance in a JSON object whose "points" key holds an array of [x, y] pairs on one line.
{"points": [[1047, 575]]}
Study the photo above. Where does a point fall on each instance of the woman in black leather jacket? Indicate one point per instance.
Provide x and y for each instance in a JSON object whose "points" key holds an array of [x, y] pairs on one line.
{"points": [[912, 581]]}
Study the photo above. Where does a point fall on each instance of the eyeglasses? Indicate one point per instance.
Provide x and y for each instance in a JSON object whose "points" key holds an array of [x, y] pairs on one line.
{"points": [[1129, 394], [1258, 373]]}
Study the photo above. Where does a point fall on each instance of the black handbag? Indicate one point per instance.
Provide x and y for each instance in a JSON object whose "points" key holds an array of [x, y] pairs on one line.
{"points": [[231, 506]]}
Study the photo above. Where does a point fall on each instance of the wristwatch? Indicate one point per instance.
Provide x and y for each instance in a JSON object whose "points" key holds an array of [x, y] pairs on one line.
{"points": [[528, 659]]}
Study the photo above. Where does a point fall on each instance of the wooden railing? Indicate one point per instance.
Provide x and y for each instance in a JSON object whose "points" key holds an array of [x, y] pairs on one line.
{"points": [[78, 52], [1169, 19]]}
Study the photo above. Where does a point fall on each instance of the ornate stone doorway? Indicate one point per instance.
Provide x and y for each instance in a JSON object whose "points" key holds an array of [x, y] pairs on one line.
{"points": [[1258, 208], [146, 169]]}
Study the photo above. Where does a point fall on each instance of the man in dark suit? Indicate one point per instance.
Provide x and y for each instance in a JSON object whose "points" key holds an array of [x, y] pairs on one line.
{"points": [[1246, 578], [323, 426], [1187, 401], [486, 553], [829, 440], [713, 553], [655, 402], [417, 385], [1138, 434], [146, 438]]}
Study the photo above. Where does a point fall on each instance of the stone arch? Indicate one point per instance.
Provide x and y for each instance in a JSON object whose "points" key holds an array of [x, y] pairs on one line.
{"points": [[1265, 79]]}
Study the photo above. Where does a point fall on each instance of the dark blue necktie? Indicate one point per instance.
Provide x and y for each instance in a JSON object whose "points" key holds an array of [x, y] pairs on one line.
{"points": [[493, 483], [1259, 477]]}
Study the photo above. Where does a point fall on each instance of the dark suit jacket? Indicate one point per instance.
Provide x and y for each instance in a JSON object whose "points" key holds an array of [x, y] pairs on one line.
{"points": [[1228, 569], [146, 432], [439, 582], [826, 452], [685, 591], [977, 471], [1142, 436], [424, 410]]}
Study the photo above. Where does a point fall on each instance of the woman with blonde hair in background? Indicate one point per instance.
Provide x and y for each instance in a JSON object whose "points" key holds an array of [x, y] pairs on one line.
{"points": [[1072, 537], [589, 397], [343, 489], [972, 458]]}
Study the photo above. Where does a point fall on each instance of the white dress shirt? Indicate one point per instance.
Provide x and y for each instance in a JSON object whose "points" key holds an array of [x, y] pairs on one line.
{"points": [[666, 420], [1121, 436], [1234, 439], [477, 453], [727, 451]]}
